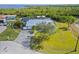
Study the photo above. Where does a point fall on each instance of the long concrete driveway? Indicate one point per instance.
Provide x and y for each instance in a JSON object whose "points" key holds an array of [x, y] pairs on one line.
{"points": [[24, 39]]}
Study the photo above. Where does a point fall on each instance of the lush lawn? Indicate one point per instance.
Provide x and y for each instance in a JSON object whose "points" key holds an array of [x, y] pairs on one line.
{"points": [[9, 34], [62, 41]]}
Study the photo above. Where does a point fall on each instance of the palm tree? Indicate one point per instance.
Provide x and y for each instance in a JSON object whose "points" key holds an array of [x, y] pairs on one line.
{"points": [[70, 20]]}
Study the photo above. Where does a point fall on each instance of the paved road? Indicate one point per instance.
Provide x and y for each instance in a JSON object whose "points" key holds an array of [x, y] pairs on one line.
{"points": [[2, 28], [19, 46], [7, 47]]}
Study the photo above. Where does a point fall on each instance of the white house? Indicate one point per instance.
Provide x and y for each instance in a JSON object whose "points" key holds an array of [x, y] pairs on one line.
{"points": [[33, 22]]}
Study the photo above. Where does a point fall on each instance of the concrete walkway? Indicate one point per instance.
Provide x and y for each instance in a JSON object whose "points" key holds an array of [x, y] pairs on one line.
{"points": [[2, 28], [19, 46]]}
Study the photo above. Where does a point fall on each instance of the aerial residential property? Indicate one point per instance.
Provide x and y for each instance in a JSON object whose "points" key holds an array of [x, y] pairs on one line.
{"points": [[43, 29]]}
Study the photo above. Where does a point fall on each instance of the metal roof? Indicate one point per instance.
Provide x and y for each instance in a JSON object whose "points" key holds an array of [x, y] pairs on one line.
{"points": [[33, 22], [25, 19]]}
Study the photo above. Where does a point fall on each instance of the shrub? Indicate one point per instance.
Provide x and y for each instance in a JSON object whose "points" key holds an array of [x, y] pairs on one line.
{"points": [[37, 39], [18, 24], [44, 28], [42, 33]]}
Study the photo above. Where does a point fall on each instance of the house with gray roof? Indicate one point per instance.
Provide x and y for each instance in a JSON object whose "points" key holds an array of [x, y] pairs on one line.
{"points": [[33, 22]]}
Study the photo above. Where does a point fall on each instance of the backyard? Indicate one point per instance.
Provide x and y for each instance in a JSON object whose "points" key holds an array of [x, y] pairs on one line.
{"points": [[63, 41]]}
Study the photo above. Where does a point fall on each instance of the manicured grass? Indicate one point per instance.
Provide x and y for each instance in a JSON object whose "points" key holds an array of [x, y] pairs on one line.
{"points": [[9, 34], [62, 41]]}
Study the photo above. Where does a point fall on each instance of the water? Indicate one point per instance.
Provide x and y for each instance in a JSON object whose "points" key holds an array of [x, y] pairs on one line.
{"points": [[19, 5], [12, 5]]}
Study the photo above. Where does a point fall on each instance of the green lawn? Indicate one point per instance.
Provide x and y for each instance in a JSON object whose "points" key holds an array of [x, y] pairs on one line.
{"points": [[9, 34], [62, 41]]}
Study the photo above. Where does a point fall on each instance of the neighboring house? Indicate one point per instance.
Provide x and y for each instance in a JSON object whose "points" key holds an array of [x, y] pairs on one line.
{"points": [[33, 22], [10, 17], [3, 20]]}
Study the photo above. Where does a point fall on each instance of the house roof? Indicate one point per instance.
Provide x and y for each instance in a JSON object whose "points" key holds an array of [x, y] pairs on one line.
{"points": [[33, 22], [25, 19], [7, 16], [2, 17]]}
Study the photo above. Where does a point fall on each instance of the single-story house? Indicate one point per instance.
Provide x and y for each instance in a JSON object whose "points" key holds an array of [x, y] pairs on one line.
{"points": [[33, 22], [5, 18], [10, 17]]}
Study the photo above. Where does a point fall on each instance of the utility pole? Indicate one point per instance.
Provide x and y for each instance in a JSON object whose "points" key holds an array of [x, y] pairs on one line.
{"points": [[76, 44]]}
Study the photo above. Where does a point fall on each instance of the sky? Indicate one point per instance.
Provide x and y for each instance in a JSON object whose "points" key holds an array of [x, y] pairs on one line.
{"points": [[39, 1], [26, 2]]}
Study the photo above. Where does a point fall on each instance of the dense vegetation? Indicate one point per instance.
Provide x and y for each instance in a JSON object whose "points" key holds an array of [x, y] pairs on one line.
{"points": [[43, 10], [18, 24], [58, 13]]}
